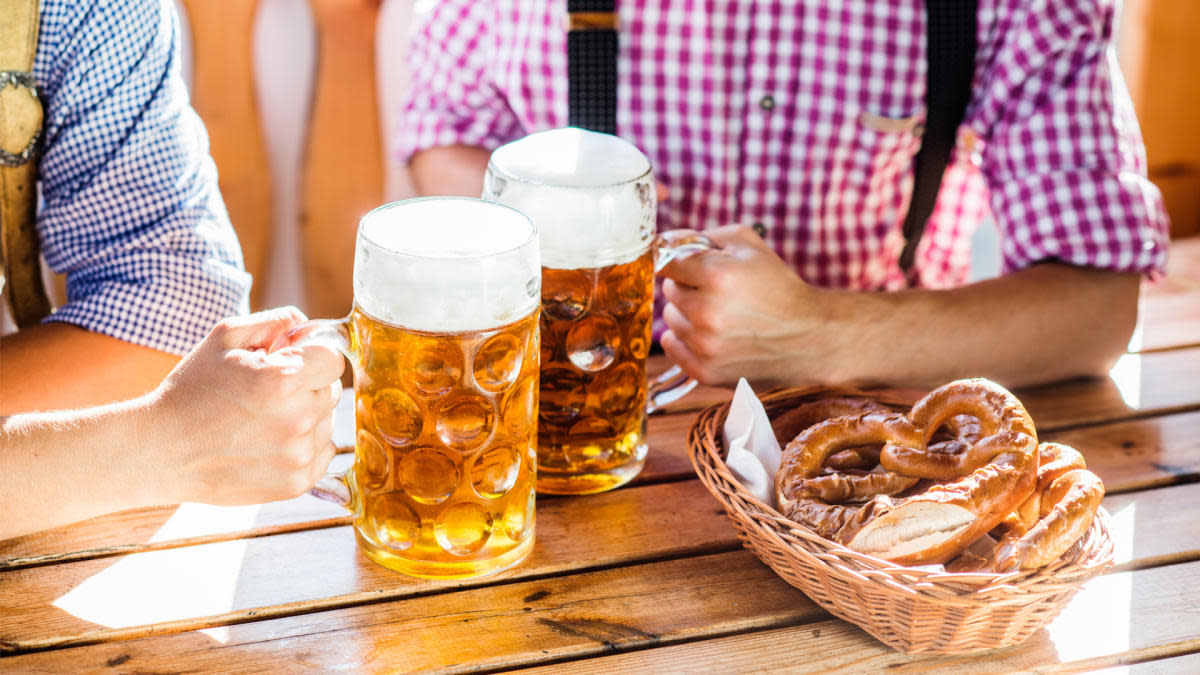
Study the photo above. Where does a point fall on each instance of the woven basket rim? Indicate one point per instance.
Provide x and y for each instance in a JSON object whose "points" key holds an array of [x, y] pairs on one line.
{"points": [[1088, 557]]}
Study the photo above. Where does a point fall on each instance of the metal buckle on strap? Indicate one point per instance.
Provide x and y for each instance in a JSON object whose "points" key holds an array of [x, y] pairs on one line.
{"points": [[17, 78], [583, 21]]}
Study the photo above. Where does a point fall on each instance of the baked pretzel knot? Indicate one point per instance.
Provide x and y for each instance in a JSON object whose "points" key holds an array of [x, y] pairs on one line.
{"points": [[1059, 511], [986, 471]]}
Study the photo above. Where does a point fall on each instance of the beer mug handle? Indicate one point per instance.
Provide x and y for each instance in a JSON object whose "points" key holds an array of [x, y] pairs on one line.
{"points": [[673, 384], [335, 333]]}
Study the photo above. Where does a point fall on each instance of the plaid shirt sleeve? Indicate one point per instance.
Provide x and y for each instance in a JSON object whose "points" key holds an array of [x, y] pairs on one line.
{"points": [[450, 99], [1064, 159], [131, 212]]}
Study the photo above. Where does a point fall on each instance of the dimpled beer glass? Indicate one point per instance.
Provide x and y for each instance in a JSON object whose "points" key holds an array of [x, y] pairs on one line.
{"points": [[592, 198], [444, 343]]}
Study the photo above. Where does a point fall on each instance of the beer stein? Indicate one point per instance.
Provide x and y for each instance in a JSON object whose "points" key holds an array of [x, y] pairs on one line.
{"points": [[593, 199], [443, 341]]}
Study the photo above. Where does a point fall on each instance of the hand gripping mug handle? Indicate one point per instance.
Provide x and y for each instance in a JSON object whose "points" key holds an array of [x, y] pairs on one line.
{"points": [[334, 333], [673, 384]]}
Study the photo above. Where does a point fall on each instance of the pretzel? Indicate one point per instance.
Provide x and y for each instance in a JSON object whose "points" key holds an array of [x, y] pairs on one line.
{"points": [[1054, 460], [791, 423], [1064, 502], [805, 457], [989, 478], [1002, 422]]}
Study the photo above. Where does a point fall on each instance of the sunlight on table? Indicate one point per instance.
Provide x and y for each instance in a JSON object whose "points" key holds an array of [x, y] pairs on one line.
{"points": [[1102, 612], [1127, 375], [169, 585], [197, 580]]}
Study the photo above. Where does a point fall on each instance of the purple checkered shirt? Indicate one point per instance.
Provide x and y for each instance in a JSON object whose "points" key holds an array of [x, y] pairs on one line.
{"points": [[805, 116]]}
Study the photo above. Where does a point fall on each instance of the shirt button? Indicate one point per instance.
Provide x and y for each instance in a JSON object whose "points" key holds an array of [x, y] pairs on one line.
{"points": [[767, 102]]}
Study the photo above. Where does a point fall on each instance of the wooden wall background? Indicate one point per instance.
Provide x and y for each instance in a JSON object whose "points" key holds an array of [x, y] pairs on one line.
{"points": [[299, 95], [1160, 56]]}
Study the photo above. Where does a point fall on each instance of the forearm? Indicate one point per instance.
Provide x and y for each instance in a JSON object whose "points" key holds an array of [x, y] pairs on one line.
{"points": [[57, 366], [62, 467], [1044, 323], [450, 170]]}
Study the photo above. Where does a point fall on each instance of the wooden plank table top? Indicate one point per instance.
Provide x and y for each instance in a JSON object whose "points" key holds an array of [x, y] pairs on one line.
{"points": [[647, 578]]}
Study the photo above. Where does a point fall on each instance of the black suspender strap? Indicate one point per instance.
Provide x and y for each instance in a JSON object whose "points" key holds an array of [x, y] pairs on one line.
{"points": [[592, 65], [950, 53]]}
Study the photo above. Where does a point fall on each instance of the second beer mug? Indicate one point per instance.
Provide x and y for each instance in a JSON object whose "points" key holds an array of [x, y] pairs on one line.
{"points": [[592, 197], [444, 343]]}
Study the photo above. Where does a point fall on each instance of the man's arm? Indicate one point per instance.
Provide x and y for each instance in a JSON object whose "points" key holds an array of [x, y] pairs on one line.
{"points": [[232, 424], [131, 213], [450, 170], [742, 312], [452, 111], [57, 366]]}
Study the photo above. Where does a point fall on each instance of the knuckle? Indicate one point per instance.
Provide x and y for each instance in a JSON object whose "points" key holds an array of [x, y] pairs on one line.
{"points": [[710, 320], [705, 346]]}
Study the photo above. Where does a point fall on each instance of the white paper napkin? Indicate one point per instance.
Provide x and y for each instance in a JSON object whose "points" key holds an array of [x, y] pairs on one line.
{"points": [[754, 454]]}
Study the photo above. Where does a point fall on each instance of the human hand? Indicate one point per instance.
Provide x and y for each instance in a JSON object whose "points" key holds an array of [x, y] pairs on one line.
{"points": [[241, 425], [741, 311]]}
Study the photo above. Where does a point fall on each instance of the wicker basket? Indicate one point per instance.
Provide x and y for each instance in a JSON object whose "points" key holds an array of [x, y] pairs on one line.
{"points": [[911, 610]]}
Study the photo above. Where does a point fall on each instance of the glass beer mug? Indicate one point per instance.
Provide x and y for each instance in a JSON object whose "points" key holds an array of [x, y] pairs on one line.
{"points": [[444, 343], [593, 199]]}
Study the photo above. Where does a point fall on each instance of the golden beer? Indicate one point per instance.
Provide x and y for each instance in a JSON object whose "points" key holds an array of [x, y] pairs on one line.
{"points": [[595, 338], [443, 339], [445, 456], [593, 200]]}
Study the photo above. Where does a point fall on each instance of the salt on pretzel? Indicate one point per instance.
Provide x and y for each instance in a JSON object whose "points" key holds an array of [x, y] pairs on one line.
{"points": [[935, 525], [1058, 513]]}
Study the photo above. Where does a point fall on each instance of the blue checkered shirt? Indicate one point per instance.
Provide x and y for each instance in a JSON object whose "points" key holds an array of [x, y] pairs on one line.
{"points": [[130, 209]]}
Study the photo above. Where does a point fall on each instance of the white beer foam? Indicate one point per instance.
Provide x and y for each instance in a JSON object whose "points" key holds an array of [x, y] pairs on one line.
{"points": [[446, 264], [579, 188]]}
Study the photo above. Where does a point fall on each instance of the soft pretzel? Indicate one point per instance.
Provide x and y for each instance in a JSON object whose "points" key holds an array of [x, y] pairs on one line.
{"points": [[793, 422], [803, 459], [957, 435], [1002, 422], [989, 478], [862, 458], [1054, 460], [1065, 501]]}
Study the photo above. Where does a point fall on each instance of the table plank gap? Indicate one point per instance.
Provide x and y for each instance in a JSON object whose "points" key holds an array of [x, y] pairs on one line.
{"points": [[590, 611], [1140, 521], [749, 619], [633, 526], [127, 549], [1143, 655], [1185, 664], [1128, 456]]}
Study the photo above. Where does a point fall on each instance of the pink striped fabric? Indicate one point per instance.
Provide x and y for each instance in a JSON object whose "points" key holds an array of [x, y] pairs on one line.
{"points": [[805, 116]]}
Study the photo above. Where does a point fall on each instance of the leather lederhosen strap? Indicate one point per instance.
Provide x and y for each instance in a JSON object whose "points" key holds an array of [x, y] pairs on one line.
{"points": [[592, 65], [20, 128], [950, 55]]}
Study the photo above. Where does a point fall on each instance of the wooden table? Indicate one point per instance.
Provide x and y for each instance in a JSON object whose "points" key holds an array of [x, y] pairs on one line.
{"points": [[649, 577]]}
